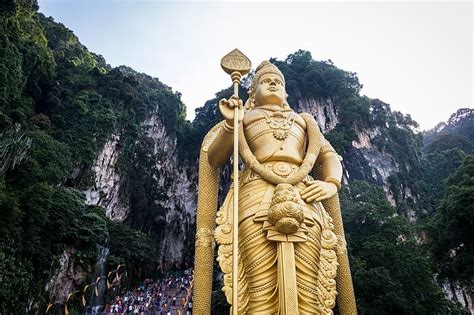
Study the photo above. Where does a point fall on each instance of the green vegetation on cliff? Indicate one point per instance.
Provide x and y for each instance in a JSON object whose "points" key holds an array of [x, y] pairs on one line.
{"points": [[59, 103], [392, 273], [451, 234]]}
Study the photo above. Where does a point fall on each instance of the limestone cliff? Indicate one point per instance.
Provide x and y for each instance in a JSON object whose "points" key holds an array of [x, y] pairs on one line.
{"points": [[170, 188], [174, 190], [67, 278], [370, 155], [324, 111], [107, 181]]}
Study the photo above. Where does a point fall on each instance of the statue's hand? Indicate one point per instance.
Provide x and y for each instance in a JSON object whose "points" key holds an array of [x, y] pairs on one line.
{"points": [[226, 107], [318, 191]]}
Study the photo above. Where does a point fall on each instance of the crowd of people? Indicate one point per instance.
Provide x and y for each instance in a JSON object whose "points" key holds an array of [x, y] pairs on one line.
{"points": [[169, 296]]}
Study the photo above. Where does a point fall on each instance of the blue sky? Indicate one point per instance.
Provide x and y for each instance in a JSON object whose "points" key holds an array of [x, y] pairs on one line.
{"points": [[416, 56]]}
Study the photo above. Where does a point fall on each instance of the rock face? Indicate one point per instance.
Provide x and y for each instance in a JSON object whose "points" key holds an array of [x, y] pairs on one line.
{"points": [[176, 182], [323, 111], [366, 159], [107, 181], [375, 165], [170, 189], [168, 197], [382, 164], [67, 278], [460, 295], [461, 123]]}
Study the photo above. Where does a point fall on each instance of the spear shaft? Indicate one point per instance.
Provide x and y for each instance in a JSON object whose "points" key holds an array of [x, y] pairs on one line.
{"points": [[236, 64], [235, 208]]}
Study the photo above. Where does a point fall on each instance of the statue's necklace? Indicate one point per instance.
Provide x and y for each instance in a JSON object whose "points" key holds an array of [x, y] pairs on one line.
{"points": [[279, 123]]}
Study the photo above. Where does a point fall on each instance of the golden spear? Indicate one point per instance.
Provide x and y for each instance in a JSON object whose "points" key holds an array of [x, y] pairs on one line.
{"points": [[236, 64]]}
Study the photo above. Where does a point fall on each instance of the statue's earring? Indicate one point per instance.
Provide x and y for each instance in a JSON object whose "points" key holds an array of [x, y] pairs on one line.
{"points": [[285, 102], [249, 104]]}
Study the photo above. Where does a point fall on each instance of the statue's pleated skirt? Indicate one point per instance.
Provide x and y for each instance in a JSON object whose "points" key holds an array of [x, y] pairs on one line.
{"points": [[259, 256]]}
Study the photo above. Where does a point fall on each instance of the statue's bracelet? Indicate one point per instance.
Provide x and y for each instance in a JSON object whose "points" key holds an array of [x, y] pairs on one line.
{"points": [[228, 128], [334, 181]]}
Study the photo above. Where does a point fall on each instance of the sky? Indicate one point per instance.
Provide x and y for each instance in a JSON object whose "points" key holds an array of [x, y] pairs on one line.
{"points": [[416, 56]]}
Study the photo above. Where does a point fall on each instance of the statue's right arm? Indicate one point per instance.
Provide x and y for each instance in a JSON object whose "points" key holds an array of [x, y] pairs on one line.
{"points": [[221, 147]]}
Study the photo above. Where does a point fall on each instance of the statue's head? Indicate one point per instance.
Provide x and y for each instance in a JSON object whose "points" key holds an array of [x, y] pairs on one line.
{"points": [[268, 87]]}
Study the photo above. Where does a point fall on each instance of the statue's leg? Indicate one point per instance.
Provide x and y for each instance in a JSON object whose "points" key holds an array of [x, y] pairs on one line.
{"points": [[316, 266], [307, 265], [257, 253]]}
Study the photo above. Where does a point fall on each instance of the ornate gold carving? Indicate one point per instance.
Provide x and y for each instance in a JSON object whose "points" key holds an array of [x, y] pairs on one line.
{"points": [[211, 136], [204, 238], [205, 219], [282, 169], [236, 61], [342, 244], [271, 283], [326, 284], [279, 122], [223, 237], [304, 169], [286, 213], [264, 68]]}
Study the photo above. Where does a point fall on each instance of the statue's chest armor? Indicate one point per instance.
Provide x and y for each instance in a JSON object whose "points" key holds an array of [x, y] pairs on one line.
{"points": [[276, 136]]}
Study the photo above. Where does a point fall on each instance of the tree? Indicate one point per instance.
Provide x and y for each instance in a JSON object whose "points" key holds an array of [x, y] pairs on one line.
{"points": [[451, 232], [391, 271]]}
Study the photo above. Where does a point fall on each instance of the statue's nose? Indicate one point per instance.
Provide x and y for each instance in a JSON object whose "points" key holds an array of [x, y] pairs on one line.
{"points": [[272, 83]]}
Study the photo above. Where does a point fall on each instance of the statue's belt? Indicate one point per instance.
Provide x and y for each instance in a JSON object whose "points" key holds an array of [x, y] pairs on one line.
{"points": [[312, 214], [283, 169]]}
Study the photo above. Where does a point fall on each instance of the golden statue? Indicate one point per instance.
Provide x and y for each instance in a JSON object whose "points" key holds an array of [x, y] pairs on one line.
{"points": [[292, 256]]}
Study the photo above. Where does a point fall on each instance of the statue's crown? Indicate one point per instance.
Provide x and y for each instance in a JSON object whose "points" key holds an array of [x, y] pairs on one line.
{"points": [[264, 68]]}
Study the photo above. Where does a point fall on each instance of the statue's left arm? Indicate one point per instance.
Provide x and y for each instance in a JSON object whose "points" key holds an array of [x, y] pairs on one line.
{"points": [[331, 168], [330, 172]]}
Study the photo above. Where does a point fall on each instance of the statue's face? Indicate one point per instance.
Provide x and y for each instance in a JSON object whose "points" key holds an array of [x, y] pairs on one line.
{"points": [[270, 90]]}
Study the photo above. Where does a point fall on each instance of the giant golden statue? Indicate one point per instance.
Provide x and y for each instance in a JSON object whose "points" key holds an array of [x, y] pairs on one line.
{"points": [[292, 255]]}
